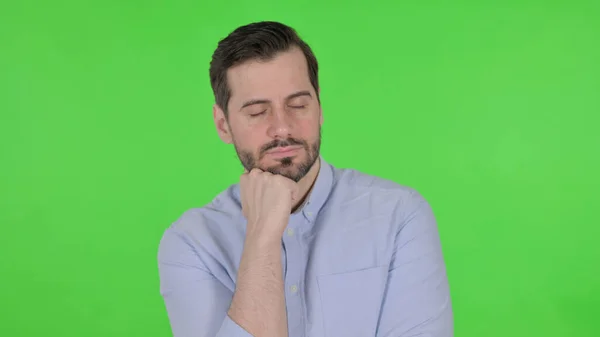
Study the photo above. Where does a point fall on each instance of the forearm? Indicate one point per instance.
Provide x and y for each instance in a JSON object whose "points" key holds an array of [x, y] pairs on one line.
{"points": [[258, 303]]}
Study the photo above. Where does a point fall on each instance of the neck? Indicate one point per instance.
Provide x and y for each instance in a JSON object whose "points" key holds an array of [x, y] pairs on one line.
{"points": [[306, 183]]}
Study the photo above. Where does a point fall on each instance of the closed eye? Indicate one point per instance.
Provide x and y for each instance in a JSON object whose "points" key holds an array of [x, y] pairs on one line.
{"points": [[298, 106], [258, 113]]}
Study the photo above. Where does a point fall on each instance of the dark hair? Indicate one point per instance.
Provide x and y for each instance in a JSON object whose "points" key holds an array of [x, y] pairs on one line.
{"points": [[259, 40]]}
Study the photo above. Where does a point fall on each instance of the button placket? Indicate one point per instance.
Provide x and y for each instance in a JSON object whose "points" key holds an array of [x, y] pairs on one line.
{"points": [[294, 253], [294, 275]]}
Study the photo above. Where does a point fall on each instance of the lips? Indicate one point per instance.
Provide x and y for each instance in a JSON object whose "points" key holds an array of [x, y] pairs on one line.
{"points": [[283, 151]]}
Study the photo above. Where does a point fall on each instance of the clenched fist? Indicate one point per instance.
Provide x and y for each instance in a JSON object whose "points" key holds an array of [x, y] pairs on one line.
{"points": [[267, 201]]}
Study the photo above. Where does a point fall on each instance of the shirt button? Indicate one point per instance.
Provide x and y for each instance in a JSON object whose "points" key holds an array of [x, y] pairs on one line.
{"points": [[309, 213], [294, 288], [290, 232]]}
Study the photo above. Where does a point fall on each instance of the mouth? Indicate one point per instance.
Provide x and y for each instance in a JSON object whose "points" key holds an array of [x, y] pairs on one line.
{"points": [[285, 151]]}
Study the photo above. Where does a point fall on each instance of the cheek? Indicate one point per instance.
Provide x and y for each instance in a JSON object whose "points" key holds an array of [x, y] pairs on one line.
{"points": [[251, 140], [309, 129]]}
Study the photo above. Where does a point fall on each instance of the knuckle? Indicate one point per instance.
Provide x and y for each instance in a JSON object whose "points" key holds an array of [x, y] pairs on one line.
{"points": [[255, 173]]}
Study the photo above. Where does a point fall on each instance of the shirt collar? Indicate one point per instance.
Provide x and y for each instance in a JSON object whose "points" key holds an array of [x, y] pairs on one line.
{"points": [[320, 191]]}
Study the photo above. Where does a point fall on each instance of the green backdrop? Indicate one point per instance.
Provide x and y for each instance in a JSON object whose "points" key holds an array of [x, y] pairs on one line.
{"points": [[489, 110]]}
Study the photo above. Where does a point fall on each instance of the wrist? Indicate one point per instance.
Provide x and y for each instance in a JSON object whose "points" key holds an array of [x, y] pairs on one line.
{"points": [[264, 234], [262, 240]]}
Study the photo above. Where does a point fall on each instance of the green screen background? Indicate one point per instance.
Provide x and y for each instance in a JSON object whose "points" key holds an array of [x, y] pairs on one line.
{"points": [[489, 110]]}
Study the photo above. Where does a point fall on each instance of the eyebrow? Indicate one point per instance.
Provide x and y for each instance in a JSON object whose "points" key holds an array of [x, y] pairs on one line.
{"points": [[263, 101]]}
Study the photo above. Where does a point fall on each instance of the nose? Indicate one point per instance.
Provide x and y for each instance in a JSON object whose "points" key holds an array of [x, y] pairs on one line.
{"points": [[281, 124]]}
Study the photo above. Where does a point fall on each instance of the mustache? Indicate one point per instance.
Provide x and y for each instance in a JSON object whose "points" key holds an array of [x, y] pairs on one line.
{"points": [[282, 143]]}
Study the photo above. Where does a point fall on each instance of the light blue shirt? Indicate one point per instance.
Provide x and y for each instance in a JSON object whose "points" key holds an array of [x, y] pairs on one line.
{"points": [[361, 258]]}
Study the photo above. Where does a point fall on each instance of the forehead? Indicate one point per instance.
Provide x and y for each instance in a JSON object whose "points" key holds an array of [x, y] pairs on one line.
{"points": [[276, 78]]}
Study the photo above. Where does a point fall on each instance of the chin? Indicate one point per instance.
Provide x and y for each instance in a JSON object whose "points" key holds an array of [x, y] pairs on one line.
{"points": [[285, 163], [294, 168]]}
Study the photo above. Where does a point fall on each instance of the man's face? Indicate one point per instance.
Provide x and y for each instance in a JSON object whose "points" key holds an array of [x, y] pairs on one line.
{"points": [[274, 116]]}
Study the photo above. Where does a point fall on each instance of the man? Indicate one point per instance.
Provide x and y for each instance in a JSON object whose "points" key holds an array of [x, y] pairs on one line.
{"points": [[298, 247]]}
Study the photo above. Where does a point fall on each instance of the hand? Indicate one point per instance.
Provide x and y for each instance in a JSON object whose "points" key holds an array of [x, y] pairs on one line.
{"points": [[267, 201]]}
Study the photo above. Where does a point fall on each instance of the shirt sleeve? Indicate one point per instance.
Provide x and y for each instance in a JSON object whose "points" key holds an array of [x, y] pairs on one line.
{"points": [[417, 301], [196, 302]]}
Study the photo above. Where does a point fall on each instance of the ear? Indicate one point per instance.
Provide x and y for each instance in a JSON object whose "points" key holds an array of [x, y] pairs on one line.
{"points": [[222, 124]]}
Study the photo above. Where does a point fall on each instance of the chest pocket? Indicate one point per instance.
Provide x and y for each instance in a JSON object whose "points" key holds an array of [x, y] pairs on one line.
{"points": [[352, 301]]}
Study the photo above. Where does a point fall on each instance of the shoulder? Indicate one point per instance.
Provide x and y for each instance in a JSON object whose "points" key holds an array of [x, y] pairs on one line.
{"points": [[208, 238], [358, 194], [204, 226], [224, 210], [351, 183]]}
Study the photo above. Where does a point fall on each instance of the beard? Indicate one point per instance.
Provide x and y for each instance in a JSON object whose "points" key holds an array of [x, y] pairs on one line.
{"points": [[286, 166]]}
